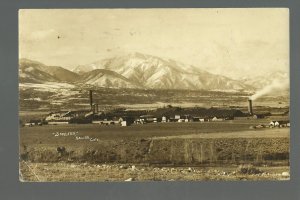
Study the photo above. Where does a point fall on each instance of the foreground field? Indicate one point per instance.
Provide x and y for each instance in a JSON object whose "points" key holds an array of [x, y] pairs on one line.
{"points": [[99, 153], [47, 172]]}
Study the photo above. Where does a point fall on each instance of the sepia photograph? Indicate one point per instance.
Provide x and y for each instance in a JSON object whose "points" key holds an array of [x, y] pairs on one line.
{"points": [[193, 94]]}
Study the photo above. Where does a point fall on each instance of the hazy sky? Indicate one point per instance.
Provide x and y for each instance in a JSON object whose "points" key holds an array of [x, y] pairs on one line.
{"points": [[232, 42]]}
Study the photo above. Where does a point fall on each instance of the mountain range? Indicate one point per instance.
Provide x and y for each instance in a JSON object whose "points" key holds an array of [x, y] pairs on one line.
{"points": [[35, 72], [133, 71]]}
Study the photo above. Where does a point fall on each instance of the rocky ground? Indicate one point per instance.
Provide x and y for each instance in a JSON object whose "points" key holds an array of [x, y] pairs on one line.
{"points": [[48, 172]]}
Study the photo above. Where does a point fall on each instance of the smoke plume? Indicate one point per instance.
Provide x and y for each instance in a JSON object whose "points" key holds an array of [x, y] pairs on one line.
{"points": [[277, 86]]}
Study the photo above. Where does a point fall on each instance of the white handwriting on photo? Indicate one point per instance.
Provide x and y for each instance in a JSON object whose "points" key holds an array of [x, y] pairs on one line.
{"points": [[74, 133]]}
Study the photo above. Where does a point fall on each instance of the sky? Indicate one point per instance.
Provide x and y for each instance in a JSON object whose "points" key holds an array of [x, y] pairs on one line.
{"points": [[232, 42]]}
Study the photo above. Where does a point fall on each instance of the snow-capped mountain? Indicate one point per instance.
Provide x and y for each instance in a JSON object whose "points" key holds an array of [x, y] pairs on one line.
{"points": [[131, 71], [106, 78], [156, 73]]}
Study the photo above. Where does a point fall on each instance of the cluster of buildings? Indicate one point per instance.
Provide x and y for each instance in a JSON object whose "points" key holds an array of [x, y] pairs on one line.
{"points": [[80, 117], [280, 123], [161, 115]]}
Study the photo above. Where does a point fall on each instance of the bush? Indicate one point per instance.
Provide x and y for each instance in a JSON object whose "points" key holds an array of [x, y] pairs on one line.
{"points": [[248, 169]]}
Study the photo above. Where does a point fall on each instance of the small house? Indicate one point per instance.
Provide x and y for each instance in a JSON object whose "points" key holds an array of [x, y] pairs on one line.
{"points": [[215, 119], [123, 123]]}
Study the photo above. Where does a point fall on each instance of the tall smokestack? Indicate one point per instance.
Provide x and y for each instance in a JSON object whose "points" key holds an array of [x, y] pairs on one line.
{"points": [[96, 108], [91, 99], [250, 107]]}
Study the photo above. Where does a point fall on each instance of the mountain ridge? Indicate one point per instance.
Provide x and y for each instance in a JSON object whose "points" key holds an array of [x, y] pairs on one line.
{"points": [[37, 72], [132, 71], [154, 72]]}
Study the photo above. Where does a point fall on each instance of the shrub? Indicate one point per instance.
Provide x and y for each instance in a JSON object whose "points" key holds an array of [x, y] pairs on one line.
{"points": [[248, 169]]}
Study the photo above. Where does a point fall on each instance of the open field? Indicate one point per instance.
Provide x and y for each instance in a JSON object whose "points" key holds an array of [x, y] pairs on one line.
{"points": [[44, 133], [169, 142]]}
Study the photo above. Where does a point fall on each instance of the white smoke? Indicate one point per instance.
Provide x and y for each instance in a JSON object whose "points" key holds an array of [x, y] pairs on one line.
{"points": [[277, 86]]}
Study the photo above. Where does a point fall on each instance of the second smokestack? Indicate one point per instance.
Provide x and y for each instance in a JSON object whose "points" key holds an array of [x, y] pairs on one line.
{"points": [[91, 99], [250, 107]]}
